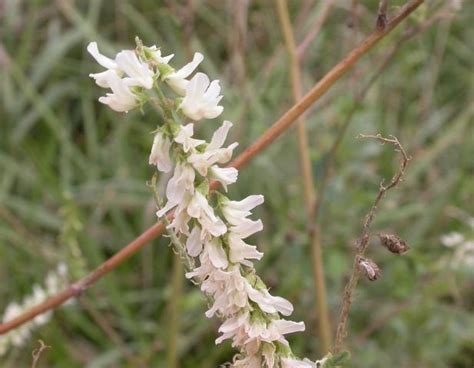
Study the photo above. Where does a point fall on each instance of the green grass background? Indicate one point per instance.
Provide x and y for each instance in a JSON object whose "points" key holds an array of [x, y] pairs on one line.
{"points": [[73, 175]]}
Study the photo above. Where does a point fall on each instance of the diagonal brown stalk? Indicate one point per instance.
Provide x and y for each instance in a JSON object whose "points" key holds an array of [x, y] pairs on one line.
{"points": [[277, 129], [364, 239], [322, 315]]}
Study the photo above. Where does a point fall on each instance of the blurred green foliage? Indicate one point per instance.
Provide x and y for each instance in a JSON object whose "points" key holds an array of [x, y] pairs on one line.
{"points": [[73, 175]]}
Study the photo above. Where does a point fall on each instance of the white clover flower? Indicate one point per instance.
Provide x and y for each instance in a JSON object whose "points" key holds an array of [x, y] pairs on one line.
{"points": [[184, 138], [200, 209], [452, 239], [212, 236], [269, 303], [126, 63], [224, 175], [180, 222], [179, 189], [138, 71], [123, 73], [216, 253], [177, 80], [236, 212], [122, 99], [194, 243], [202, 98], [244, 329], [160, 153], [18, 337], [213, 153], [104, 61], [241, 252]]}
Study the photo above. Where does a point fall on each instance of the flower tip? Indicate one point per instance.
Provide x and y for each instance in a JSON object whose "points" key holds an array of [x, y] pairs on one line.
{"points": [[198, 57], [92, 47]]}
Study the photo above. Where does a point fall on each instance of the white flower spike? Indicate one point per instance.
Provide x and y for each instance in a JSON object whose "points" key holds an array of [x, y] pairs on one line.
{"points": [[54, 282], [210, 228]]}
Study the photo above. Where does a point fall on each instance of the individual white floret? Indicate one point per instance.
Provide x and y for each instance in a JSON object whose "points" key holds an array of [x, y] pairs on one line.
{"points": [[202, 98]]}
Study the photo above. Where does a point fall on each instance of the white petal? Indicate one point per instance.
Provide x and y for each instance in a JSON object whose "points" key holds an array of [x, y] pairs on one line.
{"points": [[199, 102], [186, 70], [220, 135], [184, 138], [160, 153], [177, 80], [217, 253], [269, 303], [240, 251], [225, 175], [286, 327], [101, 59], [248, 203], [247, 228], [194, 243], [140, 72], [122, 99], [102, 79]]}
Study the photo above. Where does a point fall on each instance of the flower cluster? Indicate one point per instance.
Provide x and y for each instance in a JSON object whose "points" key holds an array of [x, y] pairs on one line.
{"points": [[54, 282], [463, 245], [211, 228]]}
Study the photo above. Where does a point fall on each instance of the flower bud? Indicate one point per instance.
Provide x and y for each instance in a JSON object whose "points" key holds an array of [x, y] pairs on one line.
{"points": [[369, 269], [393, 243]]}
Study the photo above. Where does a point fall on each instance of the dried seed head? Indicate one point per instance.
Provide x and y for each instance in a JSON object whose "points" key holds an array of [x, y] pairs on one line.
{"points": [[369, 269], [393, 243]]}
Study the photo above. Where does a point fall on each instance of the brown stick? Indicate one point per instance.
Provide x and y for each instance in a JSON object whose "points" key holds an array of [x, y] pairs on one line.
{"points": [[244, 158], [364, 239], [322, 314]]}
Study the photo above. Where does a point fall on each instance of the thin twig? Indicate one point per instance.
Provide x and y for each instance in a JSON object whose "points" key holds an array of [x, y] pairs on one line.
{"points": [[38, 352], [363, 241], [324, 328], [277, 129]]}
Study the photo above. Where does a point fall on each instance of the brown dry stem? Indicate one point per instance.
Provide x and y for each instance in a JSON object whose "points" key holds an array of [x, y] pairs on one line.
{"points": [[38, 352], [363, 241], [309, 193]]}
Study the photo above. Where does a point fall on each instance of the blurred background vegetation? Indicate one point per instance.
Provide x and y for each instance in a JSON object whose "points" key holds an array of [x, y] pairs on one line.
{"points": [[73, 176]]}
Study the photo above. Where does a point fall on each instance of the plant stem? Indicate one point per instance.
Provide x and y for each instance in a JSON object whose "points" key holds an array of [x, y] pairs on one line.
{"points": [[363, 242], [175, 312], [322, 315], [243, 159]]}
